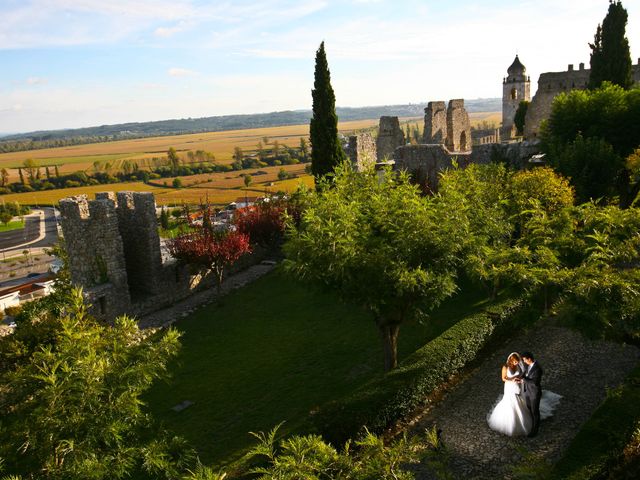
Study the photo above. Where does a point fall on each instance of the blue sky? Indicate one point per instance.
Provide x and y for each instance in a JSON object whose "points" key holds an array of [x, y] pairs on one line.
{"points": [[74, 63]]}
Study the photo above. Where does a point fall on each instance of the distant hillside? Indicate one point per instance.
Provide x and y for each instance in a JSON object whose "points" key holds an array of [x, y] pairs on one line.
{"points": [[105, 133]]}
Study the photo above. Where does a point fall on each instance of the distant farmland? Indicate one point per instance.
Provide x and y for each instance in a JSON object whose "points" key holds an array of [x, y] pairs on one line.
{"points": [[221, 188]]}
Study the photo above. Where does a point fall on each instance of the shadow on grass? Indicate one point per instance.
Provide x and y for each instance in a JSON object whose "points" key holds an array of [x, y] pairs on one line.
{"points": [[275, 351]]}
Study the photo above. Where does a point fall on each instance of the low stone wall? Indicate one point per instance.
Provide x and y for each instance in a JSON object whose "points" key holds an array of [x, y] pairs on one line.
{"points": [[425, 162]]}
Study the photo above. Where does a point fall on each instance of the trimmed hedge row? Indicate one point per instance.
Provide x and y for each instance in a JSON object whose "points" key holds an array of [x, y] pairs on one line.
{"points": [[390, 397]]}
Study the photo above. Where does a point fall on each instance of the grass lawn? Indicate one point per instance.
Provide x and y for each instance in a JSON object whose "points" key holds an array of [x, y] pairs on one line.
{"points": [[272, 352], [5, 227]]}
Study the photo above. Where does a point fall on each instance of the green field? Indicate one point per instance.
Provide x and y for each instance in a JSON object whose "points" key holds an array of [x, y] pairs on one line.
{"points": [[275, 351], [16, 225]]}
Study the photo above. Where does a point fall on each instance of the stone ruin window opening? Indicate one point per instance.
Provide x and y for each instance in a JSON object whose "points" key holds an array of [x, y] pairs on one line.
{"points": [[514, 94], [463, 141]]}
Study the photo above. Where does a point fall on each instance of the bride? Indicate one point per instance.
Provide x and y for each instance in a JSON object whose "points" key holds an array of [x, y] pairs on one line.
{"points": [[510, 416]]}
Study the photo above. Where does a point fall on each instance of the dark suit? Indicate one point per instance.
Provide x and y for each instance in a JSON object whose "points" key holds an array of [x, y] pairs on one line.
{"points": [[533, 393]]}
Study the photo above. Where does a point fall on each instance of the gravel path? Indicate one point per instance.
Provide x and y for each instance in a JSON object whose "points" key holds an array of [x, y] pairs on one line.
{"points": [[186, 307], [579, 369]]}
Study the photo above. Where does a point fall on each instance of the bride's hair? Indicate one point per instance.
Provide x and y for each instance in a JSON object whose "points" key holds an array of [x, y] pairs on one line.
{"points": [[511, 356]]}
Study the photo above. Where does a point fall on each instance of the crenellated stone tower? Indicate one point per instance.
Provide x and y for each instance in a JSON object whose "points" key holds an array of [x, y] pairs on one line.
{"points": [[516, 87], [95, 250], [140, 240], [435, 123]]}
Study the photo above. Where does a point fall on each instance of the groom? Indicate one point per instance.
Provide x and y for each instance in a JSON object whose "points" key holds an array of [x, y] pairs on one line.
{"points": [[532, 390]]}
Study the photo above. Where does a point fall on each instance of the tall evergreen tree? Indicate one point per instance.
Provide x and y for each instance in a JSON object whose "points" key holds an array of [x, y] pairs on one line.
{"points": [[326, 151], [610, 56]]}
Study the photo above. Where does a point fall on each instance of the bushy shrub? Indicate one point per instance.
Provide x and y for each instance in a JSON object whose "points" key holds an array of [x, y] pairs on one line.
{"points": [[390, 397], [263, 222], [13, 311]]}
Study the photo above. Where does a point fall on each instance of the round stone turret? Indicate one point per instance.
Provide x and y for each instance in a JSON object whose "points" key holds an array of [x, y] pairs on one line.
{"points": [[515, 89]]}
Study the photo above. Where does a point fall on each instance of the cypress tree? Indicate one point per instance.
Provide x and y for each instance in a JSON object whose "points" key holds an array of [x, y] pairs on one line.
{"points": [[610, 55], [326, 151]]}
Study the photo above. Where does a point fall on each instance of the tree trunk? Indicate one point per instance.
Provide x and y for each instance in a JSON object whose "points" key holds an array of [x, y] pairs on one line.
{"points": [[390, 345]]}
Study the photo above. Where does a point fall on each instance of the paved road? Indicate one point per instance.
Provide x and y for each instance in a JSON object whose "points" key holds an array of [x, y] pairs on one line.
{"points": [[13, 242], [30, 232]]}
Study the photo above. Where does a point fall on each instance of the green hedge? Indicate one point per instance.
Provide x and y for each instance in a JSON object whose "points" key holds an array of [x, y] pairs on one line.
{"points": [[390, 397]]}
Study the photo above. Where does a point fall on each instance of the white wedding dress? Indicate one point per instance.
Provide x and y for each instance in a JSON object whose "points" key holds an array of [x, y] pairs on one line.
{"points": [[510, 416]]}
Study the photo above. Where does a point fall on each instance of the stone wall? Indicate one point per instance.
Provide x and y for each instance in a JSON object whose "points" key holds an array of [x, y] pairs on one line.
{"points": [[362, 151], [435, 123], [390, 137], [96, 254], [458, 127], [141, 242], [425, 162], [114, 254], [551, 84], [516, 154]]}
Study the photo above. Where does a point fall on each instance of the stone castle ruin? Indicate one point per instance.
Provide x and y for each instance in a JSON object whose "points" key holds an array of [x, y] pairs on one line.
{"points": [[447, 132], [114, 254], [390, 137], [113, 242], [551, 84], [447, 135]]}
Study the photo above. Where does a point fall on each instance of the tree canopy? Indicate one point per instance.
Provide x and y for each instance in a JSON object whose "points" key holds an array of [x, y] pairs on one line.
{"points": [[589, 135], [381, 244], [326, 151], [610, 55]]}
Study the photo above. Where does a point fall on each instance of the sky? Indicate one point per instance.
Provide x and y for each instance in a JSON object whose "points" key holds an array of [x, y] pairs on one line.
{"points": [[78, 63]]}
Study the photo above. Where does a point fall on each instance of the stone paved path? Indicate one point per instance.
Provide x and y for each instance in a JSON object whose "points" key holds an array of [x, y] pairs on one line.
{"points": [[579, 369], [184, 308]]}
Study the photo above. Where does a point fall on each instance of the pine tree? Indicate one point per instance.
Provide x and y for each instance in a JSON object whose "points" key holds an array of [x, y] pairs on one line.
{"points": [[610, 55], [326, 151]]}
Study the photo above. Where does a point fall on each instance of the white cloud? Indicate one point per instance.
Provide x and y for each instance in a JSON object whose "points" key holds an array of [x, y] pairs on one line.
{"points": [[180, 72], [36, 81]]}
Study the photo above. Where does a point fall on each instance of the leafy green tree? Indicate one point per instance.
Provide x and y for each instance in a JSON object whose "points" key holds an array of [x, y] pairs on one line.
{"points": [[520, 115], [20, 174], [238, 154], [56, 170], [5, 217], [326, 152], [4, 177], [304, 150], [588, 136], [177, 183], [164, 219], [610, 55], [310, 457], [30, 166], [172, 158], [72, 408], [380, 244]]}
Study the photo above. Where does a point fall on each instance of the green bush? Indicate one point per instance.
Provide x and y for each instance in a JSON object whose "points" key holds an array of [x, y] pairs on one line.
{"points": [[390, 397], [13, 311]]}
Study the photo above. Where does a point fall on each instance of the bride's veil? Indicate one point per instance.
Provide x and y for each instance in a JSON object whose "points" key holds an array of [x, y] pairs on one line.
{"points": [[520, 362]]}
